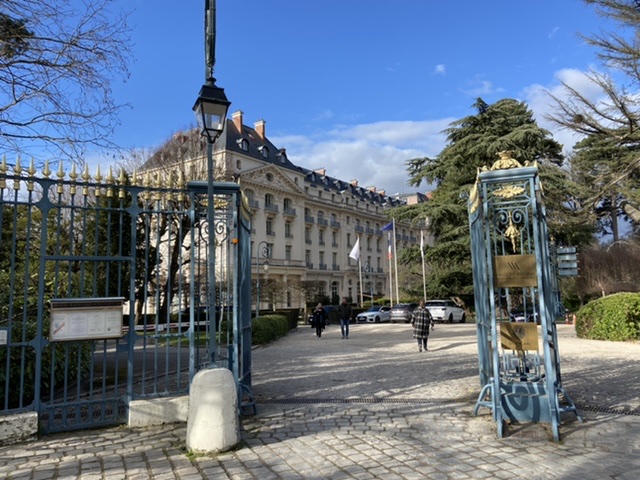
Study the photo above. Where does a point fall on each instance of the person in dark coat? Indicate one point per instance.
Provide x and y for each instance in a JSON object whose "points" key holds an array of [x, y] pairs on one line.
{"points": [[346, 314], [319, 320], [421, 320]]}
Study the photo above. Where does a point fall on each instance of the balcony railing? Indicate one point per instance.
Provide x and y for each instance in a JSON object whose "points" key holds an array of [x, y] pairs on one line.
{"points": [[291, 212], [309, 266], [323, 221], [271, 208], [309, 219], [336, 268], [254, 204], [359, 229], [322, 266], [335, 224]]}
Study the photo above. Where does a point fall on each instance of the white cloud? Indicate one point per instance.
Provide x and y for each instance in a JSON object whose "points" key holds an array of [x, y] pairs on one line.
{"points": [[553, 32], [480, 88], [374, 154], [538, 98], [440, 69]]}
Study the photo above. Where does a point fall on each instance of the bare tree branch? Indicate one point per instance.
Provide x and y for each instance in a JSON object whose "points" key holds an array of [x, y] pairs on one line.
{"points": [[58, 62]]}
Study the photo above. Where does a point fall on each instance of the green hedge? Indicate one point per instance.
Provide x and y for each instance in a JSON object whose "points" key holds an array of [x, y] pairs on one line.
{"points": [[268, 328], [615, 317]]}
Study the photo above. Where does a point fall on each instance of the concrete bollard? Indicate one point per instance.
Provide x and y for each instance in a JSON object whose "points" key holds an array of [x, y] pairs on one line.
{"points": [[213, 424]]}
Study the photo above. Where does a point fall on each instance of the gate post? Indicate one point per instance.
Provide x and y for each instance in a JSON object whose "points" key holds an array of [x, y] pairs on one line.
{"points": [[512, 273]]}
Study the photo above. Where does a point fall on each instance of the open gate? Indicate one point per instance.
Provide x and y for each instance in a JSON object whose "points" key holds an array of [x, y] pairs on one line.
{"points": [[105, 292], [515, 298]]}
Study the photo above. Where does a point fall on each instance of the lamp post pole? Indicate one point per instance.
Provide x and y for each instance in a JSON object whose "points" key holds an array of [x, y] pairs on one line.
{"points": [[367, 271], [262, 250], [211, 112]]}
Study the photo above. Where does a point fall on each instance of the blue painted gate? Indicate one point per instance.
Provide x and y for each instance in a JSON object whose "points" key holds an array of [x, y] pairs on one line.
{"points": [[76, 246]]}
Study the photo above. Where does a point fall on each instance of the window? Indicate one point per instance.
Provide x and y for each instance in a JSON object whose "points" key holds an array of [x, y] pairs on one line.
{"points": [[264, 151], [287, 252], [243, 144], [287, 229], [268, 200], [334, 290], [321, 237], [238, 165], [269, 226]]}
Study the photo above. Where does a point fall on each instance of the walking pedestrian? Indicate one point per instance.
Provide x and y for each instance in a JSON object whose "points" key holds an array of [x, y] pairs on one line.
{"points": [[319, 320], [346, 313], [421, 320]]}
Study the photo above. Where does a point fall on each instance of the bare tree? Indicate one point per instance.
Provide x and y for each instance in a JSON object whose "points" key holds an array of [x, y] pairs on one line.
{"points": [[609, 158], [604, 269], [58, 62]]}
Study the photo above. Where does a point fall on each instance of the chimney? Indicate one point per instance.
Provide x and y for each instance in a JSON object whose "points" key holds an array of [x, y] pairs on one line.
{"points": [[321, 171], [260, 128], [237, 119], [354, 182]]}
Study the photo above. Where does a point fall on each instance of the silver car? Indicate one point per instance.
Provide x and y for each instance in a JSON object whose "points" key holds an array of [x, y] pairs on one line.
{"points": [[375, 315], [445, 311]]}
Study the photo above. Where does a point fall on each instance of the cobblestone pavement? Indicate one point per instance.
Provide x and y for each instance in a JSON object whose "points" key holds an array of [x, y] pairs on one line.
{"points": [[373, 407]]}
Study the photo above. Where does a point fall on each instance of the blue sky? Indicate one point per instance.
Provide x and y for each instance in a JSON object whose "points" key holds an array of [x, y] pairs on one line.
{"points": [[355, 86]]}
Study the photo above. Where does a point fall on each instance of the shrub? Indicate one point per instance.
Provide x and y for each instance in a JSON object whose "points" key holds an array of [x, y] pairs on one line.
{"points": [[267, 328], [615, 317]]}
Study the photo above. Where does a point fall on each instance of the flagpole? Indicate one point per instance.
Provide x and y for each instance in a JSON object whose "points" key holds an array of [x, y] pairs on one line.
{"points": [[355, 254], [389, 255], [395, 259], [424, 273], [361, 285]]}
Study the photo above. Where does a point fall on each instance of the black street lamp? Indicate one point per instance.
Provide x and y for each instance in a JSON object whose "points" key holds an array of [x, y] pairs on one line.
{"points": [[211, 111]]}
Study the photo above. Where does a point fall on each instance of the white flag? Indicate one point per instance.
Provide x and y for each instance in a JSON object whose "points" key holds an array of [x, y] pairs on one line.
{"points": [[355, 251]]}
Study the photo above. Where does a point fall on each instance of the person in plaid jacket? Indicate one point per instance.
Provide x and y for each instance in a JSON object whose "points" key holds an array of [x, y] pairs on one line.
{"points": [[421, 321]]}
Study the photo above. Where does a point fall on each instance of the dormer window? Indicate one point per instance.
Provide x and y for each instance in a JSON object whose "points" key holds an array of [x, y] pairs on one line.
{"points": [[264, 151], [243, 143], [282, 155]]}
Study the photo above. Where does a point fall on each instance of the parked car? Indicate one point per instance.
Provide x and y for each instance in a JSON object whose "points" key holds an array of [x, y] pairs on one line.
{"points": [[375, 315], [331, 311], [520, 314], [445, 311], [402, 312]]}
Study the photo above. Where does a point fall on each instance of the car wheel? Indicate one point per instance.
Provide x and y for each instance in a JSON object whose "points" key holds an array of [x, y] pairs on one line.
{"points": [[463, 319], [377, 319], [450, 318]]}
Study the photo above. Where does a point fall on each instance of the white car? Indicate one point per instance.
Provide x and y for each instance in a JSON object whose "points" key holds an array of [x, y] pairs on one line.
{"points": [[375, 315], [445, 311]]}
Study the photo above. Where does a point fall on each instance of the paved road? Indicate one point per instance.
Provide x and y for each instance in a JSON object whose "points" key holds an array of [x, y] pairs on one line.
{"points": [[372, 407]]}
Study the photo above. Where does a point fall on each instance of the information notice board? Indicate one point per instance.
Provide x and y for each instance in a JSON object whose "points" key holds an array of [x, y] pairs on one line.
{"points": [[86, 319]]}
